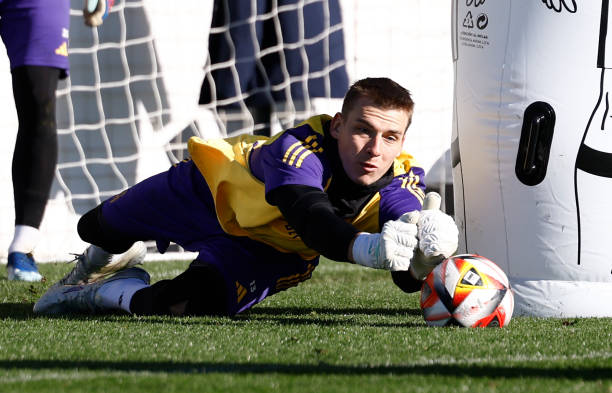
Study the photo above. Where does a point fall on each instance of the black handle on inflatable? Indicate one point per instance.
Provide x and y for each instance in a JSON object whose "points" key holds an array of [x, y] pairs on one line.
{"points": [[535, 142]]}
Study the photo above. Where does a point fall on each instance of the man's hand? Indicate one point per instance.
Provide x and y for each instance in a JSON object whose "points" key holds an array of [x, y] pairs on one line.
{"points": [[94, 11], [395, 248], [392, 249], [437, 233]]}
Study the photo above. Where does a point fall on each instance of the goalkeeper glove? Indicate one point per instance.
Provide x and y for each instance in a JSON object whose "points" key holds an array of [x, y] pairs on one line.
{"points": [[392, 249], [94, 11], [438, 236]]}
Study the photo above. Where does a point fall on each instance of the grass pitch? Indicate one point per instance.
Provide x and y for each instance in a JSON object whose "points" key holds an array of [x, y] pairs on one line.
{"points": [[348, 329]]}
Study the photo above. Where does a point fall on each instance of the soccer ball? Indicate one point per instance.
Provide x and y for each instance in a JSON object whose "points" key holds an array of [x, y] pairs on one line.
{"points": [[467, 290]]}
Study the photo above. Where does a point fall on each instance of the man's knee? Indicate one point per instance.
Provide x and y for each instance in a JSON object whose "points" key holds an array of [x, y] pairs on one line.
{"points": [[93, 230], [35, 96]]}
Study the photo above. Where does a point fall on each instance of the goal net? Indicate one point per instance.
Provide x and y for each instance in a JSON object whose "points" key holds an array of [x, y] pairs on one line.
{"points": [[135, 93]]}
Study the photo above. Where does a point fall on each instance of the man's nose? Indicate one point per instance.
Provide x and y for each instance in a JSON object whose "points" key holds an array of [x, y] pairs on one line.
{"points": [[374, 145]]}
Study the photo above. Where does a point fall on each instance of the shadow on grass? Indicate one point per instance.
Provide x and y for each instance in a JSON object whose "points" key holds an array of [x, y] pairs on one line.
{"points": [[24, 311], [329, 316], [280, 315], [16, 311], [467, 370], [264, 310]]}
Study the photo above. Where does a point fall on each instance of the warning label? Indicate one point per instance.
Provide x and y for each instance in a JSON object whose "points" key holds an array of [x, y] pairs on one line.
{"points": [[474, 33]]}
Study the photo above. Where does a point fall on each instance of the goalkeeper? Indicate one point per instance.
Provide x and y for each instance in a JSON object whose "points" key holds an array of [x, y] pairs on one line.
{"points": [[259, 211]]}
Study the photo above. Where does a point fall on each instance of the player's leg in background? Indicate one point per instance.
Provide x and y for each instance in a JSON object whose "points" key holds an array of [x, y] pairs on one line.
{"points": [[35, 34], [35, 154], [34, 161]]}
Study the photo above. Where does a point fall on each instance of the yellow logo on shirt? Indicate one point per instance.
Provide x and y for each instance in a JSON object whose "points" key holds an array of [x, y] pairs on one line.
{"points": [[63, 49], [411, 183], [296, 153]]}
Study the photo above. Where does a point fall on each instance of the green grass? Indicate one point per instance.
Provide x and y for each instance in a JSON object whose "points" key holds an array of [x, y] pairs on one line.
{"points": [[348, 329]]}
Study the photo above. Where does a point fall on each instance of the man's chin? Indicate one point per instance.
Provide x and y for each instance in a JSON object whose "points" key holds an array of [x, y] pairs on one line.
{"points": [[365, 180]]}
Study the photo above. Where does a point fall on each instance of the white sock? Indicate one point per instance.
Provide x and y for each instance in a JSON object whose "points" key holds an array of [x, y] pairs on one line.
{"points": [[118, 294], [25, 240]]}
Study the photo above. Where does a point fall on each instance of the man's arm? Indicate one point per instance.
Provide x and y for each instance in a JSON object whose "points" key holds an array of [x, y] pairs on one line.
{"points": [[309, 211]]}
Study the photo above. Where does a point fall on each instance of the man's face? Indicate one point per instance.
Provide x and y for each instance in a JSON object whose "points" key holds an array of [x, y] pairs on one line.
{"points": [[369, 139]]}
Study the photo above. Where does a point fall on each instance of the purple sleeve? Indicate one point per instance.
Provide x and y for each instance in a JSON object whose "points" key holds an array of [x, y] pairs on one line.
{"points": [[294, 158], [405, 193]]}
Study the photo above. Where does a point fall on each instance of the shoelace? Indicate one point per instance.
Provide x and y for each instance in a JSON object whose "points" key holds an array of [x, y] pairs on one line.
{"points": [[77, 257]]}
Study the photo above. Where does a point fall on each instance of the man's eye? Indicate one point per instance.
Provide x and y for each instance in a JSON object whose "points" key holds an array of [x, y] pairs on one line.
{"points": [[391, 138]]}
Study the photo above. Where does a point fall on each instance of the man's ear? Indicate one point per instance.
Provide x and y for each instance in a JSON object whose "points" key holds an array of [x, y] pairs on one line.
{"points": [[404, 135], [336, 124]]}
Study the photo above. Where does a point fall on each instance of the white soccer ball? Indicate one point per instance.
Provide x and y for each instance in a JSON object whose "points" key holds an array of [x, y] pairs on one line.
{"points": [[467, 290]]}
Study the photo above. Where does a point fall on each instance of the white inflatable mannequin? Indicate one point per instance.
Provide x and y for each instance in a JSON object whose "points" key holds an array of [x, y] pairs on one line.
{"points": [[532, 148]]}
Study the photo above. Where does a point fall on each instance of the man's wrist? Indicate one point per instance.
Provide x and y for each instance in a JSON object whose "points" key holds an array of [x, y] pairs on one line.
{"points": [[365, 250], [350, 248]]}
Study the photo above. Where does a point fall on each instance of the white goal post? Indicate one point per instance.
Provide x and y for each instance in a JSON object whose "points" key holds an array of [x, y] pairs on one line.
{"points": [[131, 101]]}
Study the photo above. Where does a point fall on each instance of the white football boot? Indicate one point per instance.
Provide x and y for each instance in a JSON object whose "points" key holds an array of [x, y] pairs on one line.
{"points": [[72, 299], [96, 264]]}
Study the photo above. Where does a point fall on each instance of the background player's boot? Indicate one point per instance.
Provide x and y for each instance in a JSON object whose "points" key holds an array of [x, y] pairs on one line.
{"points": [[69, 299], [96, 264], [22, 267]]}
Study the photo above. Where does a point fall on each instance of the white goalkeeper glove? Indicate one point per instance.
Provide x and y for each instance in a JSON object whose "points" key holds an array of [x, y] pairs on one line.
{"points": [[94, 11], [437, 233], [392, 249]]}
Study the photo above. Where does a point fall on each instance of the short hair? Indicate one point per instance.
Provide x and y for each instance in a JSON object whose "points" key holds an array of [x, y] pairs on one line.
{"points": [[384, 92]]}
